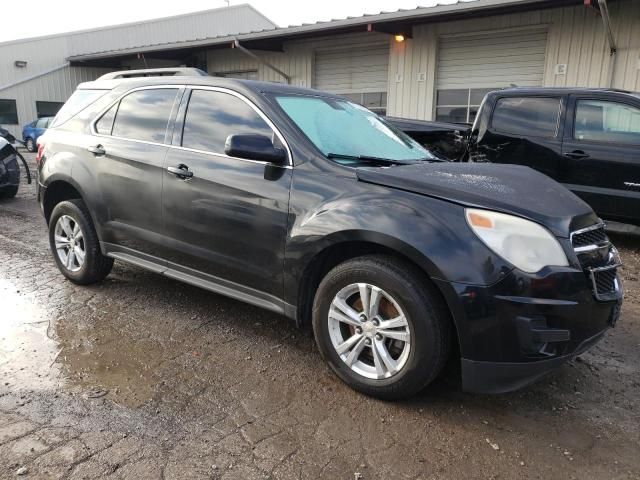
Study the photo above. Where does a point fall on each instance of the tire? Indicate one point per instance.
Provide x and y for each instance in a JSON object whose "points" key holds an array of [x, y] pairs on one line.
{"points": [[9, 192], [94, 266], [427, 322], [30, 144]]}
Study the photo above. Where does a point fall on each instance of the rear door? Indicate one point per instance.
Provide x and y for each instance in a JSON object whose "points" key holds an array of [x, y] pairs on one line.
{"points": [[602, 148], [525, 130], [128, 155], [227, 223]]}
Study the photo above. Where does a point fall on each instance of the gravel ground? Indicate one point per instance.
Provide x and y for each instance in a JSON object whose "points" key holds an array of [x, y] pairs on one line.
{"points": [[143, 377]]}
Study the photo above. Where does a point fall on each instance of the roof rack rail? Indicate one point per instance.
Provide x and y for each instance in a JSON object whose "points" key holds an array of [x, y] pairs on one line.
{"points": [[155, 72]]}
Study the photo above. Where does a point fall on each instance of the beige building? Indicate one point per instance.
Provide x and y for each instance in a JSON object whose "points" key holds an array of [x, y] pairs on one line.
{"points": [[426, 63]]}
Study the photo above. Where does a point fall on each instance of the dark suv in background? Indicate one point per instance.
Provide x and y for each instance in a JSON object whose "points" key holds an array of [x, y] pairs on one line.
{"points": [[309, 205]]}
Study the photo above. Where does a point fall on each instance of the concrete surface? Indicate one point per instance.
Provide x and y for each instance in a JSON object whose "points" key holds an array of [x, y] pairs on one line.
{"points": [[144, 377]]}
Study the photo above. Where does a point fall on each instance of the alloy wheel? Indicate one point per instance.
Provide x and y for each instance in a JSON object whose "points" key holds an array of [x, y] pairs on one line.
{"points": [[369, 331], [69, 241]]}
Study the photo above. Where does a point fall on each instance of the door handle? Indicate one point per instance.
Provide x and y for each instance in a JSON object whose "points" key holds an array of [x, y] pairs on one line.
{"points": [[97, 150], [576, 154], [181, 171]]}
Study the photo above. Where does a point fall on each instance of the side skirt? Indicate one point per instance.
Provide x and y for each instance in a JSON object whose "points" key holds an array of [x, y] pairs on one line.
{"points": [[199, 279]]}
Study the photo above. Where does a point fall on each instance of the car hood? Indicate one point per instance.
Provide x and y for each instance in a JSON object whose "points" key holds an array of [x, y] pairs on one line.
{"points": [[511, 189]]}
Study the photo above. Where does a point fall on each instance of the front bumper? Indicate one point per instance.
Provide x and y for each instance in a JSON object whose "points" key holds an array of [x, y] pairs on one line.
{"points": [[517, 330]]}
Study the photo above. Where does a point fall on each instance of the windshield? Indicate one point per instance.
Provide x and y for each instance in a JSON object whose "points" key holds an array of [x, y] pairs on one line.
{"points": [[349, 133]]}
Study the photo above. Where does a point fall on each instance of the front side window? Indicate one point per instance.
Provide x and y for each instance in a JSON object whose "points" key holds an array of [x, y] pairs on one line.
{"points": [[42, 123], [8, 112], [144, 115], [602, 121], [530, 116], [213, 116], [339, 128]]}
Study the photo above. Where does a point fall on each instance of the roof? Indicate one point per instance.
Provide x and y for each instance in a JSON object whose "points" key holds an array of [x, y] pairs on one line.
{"points": [[395, 21], [186, 27]]}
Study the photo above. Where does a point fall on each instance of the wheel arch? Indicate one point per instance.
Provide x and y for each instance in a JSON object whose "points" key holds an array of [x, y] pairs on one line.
{"points": [[357, 244], [58, 190]]}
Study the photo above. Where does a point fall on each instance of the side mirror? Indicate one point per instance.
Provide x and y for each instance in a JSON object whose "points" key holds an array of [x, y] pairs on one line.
{"points": [[254, 147]]}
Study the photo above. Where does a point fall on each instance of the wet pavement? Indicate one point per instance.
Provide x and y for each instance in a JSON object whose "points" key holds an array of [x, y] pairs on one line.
{"points": [[144, 377]]}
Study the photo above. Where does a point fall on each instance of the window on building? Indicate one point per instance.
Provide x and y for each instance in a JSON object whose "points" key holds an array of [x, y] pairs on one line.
{"points": [[213, 116], [8, 112], [48, 109], [241, 74], [459, 105], [607, 122], [105, 124], [374, 101], [531, 116], [144, 115]]}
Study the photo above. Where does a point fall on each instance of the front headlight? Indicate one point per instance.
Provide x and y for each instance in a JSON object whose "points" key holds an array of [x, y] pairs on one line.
{"points": [[527, 245]]}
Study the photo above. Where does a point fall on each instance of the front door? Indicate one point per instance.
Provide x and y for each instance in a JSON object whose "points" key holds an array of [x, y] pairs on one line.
{"points": [[227, 222], [602, 147]]}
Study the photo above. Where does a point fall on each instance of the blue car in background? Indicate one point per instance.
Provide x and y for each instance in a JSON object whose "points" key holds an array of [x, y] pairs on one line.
{"points": [[32, 131]]}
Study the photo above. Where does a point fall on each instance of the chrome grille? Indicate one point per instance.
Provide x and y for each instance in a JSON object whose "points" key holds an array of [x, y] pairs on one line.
{"points": [[599, 260]]}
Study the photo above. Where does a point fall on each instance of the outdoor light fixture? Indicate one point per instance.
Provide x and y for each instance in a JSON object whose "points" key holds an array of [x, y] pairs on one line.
{"points": [[20, 63], [399, 38]]}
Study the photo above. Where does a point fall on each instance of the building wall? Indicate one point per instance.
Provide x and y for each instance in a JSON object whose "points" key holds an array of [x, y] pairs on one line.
{"points": [[576, 38]]}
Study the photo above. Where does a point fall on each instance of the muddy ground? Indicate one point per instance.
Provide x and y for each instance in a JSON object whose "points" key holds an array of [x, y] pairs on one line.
{"points": [[144, 377]]}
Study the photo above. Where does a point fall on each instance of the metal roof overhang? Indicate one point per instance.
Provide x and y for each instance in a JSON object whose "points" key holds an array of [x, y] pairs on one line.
{"points": [[393, 22]]}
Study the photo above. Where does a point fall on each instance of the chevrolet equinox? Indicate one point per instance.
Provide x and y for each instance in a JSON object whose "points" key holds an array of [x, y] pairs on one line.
{"points": [[309, 205]]}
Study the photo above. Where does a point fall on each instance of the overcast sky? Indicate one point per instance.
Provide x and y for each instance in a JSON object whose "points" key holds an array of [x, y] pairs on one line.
{"points": [[43, 17]]}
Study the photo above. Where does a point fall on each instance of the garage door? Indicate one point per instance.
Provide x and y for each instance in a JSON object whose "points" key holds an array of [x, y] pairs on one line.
{"points": [[359, 73], [471, 65]]}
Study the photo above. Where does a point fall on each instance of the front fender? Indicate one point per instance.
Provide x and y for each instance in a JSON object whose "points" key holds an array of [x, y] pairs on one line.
{"points": [[432, 233]]}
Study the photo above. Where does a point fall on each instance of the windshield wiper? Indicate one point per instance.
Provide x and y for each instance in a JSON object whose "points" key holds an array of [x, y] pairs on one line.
{"points": [[367, 158]]}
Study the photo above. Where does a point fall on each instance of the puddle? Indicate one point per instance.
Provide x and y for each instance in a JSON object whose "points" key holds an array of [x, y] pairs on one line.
{"points": [[27, 352], [80, 352]]}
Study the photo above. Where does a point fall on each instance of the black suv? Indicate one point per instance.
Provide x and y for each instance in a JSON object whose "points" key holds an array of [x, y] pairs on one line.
{"points": [[309, 205]]}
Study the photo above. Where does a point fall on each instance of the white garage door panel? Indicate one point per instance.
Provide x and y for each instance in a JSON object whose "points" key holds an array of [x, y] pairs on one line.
{"points": [[492, 60], [358, 69]]}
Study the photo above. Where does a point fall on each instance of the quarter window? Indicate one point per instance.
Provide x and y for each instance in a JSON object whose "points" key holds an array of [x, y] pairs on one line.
{"points": [[144, 115], [607, 122], [213, 116], [8, 112], [105, 124], [532, 116]]}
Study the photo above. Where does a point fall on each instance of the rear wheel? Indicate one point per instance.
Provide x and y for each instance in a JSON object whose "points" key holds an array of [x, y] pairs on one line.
{"points": [[381, 326], [30, 144], [75, 244]]}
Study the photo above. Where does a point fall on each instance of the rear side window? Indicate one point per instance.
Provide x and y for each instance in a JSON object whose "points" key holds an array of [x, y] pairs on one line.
{"points": [[601, 121], [77, 102], [144, 115], [532, 116], [213, 116]]}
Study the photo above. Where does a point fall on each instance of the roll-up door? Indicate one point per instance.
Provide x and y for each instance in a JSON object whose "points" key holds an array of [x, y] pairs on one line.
{"points": [[471, 65], [359, 73]]}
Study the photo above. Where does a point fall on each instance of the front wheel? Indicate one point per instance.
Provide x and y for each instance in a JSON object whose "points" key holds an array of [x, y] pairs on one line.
{"points": [[75, 244], [30, 144], [381, 326]]}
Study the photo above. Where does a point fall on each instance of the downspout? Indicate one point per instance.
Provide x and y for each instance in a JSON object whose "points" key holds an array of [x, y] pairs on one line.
{"points": [[236, 44], [606, 21], [33, 77]]}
